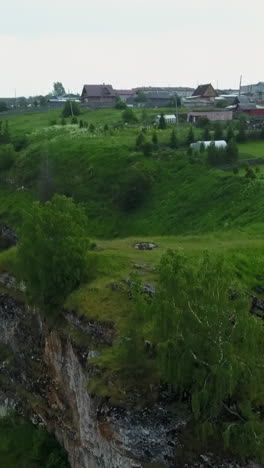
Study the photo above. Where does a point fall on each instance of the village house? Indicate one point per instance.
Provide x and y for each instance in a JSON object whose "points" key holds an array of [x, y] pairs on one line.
{"points": [[203, 96], [125, 94], [212, 115], [98, 96]]}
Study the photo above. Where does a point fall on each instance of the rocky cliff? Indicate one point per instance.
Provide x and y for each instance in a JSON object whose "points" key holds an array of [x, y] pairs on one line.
{"points": [[45, 376]]}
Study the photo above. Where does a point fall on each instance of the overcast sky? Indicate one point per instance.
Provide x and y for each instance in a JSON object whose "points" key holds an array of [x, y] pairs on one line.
{"points": [[129, 43]]}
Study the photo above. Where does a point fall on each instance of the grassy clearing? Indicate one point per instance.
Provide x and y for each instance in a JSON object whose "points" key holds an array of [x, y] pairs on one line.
{"points": [[252, 149], [115, 263]]}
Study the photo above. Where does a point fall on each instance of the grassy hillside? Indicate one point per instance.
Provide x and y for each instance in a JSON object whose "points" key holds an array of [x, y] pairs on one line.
{"points": [[101, 169]]}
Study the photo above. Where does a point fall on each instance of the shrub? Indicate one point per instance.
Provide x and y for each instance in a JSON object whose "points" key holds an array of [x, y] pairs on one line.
{"points": [[147, 148], [134, 189], [128, 116], [7, 157]]}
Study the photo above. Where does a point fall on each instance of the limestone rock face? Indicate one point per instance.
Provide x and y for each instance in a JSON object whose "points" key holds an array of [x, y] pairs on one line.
{"points": [[46, 378]]}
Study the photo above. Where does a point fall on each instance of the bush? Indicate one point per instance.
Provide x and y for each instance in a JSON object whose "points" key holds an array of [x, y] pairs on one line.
{"points": [[140, 140], [74, 121], [7, 157], [203, 122], [119, 104], [133, 190], [147, 148], [128, 116]]}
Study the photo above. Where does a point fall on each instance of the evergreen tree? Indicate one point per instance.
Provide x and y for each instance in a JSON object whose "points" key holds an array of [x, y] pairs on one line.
{"points": [[162, 122], [5, 137], [229, 134], [155, 140], [190, 136], [140, 140], [231, 151], [206, 134], [241, 136], [173, 140], [218, 132]]}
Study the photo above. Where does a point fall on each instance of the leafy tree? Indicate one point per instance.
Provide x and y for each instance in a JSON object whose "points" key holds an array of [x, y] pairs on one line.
{"points": [[173, 101], [162, 122], [128, 116], [155, 140], [52, 251], [190, 136], [3, 106], [58, 89], [119, 104], [173, 140], [140, 140], [208, 344], [140, 96], [92, 128], [42, 100], [7, 157], [70, 109]]}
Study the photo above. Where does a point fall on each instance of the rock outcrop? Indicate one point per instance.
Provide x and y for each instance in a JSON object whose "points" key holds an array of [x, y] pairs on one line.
{"points": [[44, 375]]}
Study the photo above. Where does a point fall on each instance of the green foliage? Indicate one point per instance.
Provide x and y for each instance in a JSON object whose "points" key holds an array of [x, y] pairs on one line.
{"points": [[74, 121], [173, 140], [134, 189], [147, 148], [218, 132], [203, 122], [70, 109], [5, 137], [129, 116], [7, 157], [162, 122], [241, 136], [229, 134], [140, 97], [209, 344], [3, 106], [25, 446], [155, 139], [119, 104], [206, 134], [231, 151], [140, 140], [52, 251], [190, 136], [58, 89]]}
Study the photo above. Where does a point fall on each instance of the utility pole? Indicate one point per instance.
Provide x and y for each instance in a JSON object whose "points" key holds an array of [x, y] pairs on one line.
{"points": [[240, 82], [176, 106]]}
